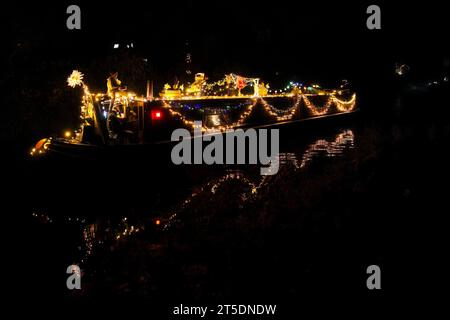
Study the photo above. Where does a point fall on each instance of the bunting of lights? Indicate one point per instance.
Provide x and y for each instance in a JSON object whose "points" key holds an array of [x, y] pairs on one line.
{"points": [[281, 114], [341, 105], [179, 115], [317, 111], [345, 106], [221, 128]]}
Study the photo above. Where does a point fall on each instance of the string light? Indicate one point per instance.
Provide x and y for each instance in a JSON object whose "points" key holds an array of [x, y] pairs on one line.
{"points": [[279, 114], [317, 111], [221, 128], [341, 105], [345, 106]]}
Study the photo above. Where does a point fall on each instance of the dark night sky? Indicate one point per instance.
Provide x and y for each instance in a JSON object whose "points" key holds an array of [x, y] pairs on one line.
{"points": [[376, 206], [313, 40]]}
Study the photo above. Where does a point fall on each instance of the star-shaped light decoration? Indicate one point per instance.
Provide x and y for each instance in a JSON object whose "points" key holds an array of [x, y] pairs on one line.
{"points": [[75, 79]]}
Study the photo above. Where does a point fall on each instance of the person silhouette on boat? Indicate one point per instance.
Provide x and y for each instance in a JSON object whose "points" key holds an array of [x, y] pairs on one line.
{"points": [[113, 85]]}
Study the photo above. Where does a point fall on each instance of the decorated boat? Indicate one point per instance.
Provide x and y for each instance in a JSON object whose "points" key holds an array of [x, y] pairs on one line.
{"points": [[233, 102]]}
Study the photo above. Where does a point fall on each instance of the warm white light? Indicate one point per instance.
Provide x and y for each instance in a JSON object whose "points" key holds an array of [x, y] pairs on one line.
{"points": [[75, 79]]}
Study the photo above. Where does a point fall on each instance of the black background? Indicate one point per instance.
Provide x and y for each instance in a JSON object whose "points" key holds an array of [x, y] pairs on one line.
{"points": [[311, 41]]}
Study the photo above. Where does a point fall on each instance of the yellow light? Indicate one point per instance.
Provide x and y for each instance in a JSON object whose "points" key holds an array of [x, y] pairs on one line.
{"points": [[67, 134], [75, 79]]}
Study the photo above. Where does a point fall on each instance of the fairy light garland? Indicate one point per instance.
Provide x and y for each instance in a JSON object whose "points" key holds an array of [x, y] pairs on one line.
{"points": [[341, 105], [317, 111], [280, 114], [345, 106], [222, 128]]}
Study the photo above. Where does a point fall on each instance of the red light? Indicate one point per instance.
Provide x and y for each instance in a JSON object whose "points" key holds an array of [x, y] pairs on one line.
{"points": [[156, 115]]}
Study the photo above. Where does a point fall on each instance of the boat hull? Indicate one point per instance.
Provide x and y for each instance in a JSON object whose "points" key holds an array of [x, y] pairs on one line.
{"points": [[160, 149]]}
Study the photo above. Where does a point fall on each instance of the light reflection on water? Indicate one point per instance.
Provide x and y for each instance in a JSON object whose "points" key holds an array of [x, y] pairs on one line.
{"points": [[344, 140], [103, 233]]}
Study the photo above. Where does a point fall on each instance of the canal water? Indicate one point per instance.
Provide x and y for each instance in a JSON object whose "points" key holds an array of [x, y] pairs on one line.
{"points": [[348, 194], [101, 216]]}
